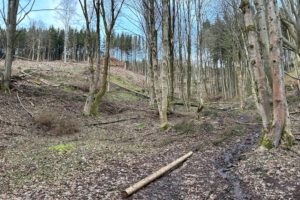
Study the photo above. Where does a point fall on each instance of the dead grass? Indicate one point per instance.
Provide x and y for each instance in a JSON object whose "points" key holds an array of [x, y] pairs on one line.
{"points": [[54, 124]]}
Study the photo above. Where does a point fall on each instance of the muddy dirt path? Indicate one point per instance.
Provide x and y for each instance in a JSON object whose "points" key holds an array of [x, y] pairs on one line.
{"points": [[206, 175], [226, 166]]}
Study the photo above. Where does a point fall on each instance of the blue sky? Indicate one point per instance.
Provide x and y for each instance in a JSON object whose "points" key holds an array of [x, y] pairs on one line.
{"points": [[49, 18], [127, 21]]}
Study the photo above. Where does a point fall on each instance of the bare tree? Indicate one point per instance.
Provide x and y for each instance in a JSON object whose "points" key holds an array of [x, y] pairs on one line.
{"points": [[262, 27], [11, 21], [92, 86], [188, 31], [257, 65], [281, 122], [164, 72], [66, 11], [171, 31], [109, 18]]}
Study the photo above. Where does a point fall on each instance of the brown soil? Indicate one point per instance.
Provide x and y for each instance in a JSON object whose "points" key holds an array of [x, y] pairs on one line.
{"points": [[124, 144]]}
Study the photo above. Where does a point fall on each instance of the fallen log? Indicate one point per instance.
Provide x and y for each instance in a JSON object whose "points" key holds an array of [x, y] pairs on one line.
{"points": [[179, 103], [131, 91], [134, 188], [112, 122], [46, 82]]}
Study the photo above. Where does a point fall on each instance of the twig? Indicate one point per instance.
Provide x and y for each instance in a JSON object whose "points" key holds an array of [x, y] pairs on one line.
{"points": [[247, 123], [296, 112], [111, 122], [30, 113], [292, 76]]}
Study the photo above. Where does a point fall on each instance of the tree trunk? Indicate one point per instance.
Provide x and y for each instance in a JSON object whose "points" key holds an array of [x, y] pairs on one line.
{"points": [[164, 72], [171, 30], [103, 84], [38, 57], [189, 52], [180, 62], [66, 40], [280, 128], [256, 63], [11, 25], [264, 38]]}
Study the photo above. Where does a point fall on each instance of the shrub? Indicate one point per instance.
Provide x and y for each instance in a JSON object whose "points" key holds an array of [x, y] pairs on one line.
{"points": [[210, 113], [45, 120], [185, 127], [205, 126], [54, 124]]}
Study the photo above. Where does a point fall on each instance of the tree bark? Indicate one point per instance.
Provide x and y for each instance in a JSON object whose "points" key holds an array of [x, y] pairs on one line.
{"points": [[11, 25], [264, 37], [164, 72], [281, 122], [256, 63]]}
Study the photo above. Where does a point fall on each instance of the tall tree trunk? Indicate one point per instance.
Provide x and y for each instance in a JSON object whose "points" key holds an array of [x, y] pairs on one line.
{"points": [[189, 52], [33, 50], [256, 64], [103, 83], [66, 41], [11, 25], [281, 122], [38, 57], [171, 30], [150, 72], [264, 37], [89, 47], [164, 72], [180, 44]]}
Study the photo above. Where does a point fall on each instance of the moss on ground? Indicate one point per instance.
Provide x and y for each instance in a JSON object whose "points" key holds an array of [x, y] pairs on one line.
{"points": [[266, 143], [63, 148], [45, 161]]}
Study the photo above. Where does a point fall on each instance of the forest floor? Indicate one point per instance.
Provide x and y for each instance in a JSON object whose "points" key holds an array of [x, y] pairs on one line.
{"points": [[61, 154]]}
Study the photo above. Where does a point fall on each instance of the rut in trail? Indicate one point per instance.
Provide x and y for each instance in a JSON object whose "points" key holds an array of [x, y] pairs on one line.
{"points": [[226, 163]]}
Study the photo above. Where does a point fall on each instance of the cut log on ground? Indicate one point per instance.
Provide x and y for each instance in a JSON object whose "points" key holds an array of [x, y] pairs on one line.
{"points": [[131, 91], [112, 122], [132, 189], [184, 104]]}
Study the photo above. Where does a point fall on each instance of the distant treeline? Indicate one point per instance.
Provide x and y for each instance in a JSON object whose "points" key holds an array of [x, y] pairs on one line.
{"points": [[48, 44]]}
